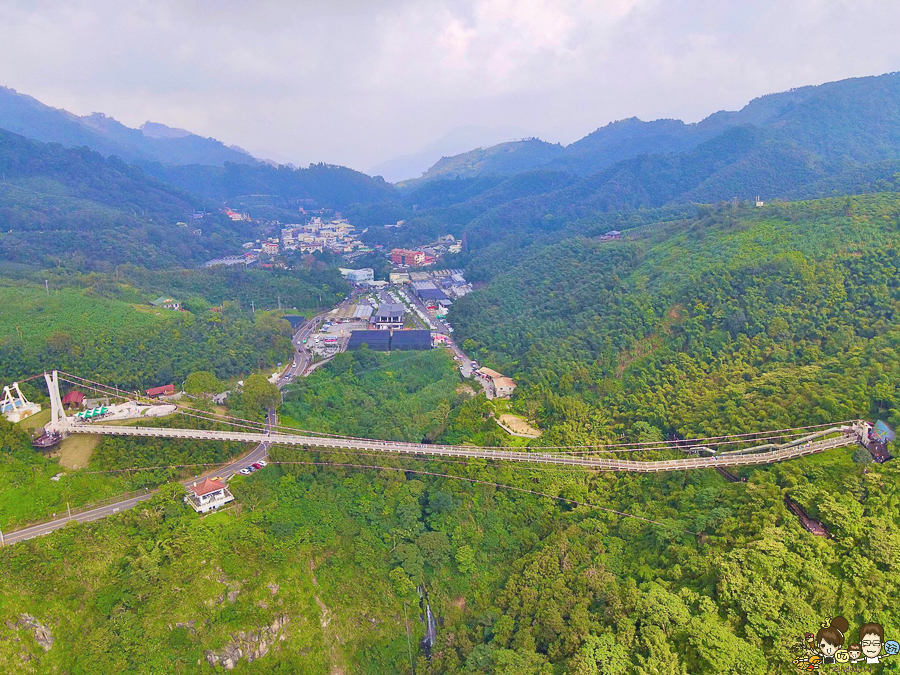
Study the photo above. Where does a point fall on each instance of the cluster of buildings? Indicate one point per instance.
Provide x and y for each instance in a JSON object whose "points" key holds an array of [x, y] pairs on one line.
{"points": [[234, 215], [317, 236], [336, 235], [165, 302], [436, 290], [425, 255]]}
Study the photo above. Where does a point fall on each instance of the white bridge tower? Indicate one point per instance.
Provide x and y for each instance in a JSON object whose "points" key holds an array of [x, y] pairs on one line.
{"points": [[58, 420]]}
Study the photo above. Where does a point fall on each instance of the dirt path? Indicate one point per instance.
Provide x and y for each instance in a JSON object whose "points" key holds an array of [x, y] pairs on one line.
{"points": [[518, 426]]}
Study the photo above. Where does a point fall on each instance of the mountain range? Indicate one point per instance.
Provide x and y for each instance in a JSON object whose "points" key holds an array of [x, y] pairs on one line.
{"points": [[833, 139], [153, 142], [855, 119]]}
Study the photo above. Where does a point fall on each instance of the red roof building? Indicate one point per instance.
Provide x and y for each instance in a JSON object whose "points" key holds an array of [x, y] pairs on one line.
{"points": [[208, 495], [165, 390], [207, 486], [75, 398]]}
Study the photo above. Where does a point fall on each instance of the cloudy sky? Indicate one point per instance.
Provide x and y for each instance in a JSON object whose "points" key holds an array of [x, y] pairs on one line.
{"points": [[358, 82]]}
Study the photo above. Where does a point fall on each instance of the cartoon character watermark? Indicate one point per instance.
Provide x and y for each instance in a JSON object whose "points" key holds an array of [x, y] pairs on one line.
{"points": [[830, 638], [826, 646]]}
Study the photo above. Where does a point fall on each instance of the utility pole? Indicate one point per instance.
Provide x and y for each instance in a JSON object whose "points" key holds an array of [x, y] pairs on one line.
{"points": [[279, 303], [47, 286], [253, 308], [68, 509], [2, 541]]}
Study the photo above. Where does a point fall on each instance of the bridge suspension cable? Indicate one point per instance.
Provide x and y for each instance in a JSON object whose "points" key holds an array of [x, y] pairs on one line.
{"points": [[681, 445]]}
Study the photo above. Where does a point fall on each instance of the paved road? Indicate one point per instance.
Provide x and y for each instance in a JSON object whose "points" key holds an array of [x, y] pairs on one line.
{"points": [[260, 451], [224, 472], [302, 355]]}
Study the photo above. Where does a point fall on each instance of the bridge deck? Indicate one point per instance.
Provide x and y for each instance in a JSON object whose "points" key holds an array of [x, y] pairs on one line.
{"points": [[840, 437]]}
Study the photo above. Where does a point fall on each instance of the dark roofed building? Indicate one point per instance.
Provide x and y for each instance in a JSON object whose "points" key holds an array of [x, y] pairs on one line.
{"points": [[411, 339], [390, 315], [432, 294], [377, 340]]}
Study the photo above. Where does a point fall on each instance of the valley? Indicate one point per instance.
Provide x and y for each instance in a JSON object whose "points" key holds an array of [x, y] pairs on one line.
{"points": [[605, 407]]}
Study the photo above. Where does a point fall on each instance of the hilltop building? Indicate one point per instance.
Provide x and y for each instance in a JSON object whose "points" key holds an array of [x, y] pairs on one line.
{"points": [[166, 303], [208, 495], [500, 386]]}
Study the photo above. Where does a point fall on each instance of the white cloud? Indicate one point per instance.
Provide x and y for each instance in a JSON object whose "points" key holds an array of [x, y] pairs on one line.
{"points": [[357, 82]]}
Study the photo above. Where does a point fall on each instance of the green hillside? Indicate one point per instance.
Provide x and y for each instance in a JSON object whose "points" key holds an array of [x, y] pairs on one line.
{"points": [[733, 319], [59, 204], [101, 327], [742, 297]]}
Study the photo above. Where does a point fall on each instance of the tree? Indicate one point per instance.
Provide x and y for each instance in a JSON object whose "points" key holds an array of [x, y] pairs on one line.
{"points": [[862, 456], [465, 559], [202, 382], [260, 394]]}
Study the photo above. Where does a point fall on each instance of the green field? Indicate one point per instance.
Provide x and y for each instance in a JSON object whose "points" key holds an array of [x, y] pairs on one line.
{"points": [[34, 316]]}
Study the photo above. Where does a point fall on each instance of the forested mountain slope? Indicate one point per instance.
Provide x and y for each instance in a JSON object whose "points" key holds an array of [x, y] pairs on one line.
{"points": [[58, 203], [856, 119], [29, 117], [730, 319], [503, 159], [779, 293], [313, 187]]}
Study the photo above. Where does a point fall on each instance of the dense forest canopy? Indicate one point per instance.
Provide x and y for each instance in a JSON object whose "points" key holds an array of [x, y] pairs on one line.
{"points": [[102, 326], [74, 206], [702, 319]]}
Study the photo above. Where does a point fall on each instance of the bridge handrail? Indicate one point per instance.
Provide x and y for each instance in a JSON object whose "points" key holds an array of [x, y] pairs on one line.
{"points": [[786, 451]]}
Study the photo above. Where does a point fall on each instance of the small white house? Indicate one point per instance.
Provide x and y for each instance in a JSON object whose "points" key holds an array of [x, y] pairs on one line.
{"points": [[207, 495]]}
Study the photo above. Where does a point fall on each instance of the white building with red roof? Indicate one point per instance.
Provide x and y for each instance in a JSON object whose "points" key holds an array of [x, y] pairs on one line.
{"points": [[208, 494]]}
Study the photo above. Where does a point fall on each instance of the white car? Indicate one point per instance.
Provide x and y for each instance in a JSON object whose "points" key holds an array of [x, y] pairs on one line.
{"points": [[263, 462]]}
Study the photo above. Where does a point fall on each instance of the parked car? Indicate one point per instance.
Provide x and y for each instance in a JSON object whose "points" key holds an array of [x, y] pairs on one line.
{"points": [[257, 466], [263, 462], [245, 472]]}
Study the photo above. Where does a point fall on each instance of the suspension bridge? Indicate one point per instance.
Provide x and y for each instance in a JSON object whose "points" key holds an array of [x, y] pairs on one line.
{"points": [[765, 447], [796, 442]]}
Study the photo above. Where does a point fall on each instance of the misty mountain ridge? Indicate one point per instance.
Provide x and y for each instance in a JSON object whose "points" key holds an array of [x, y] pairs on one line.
{"points": [[153, 142], [858, 119], [454, 142]]}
